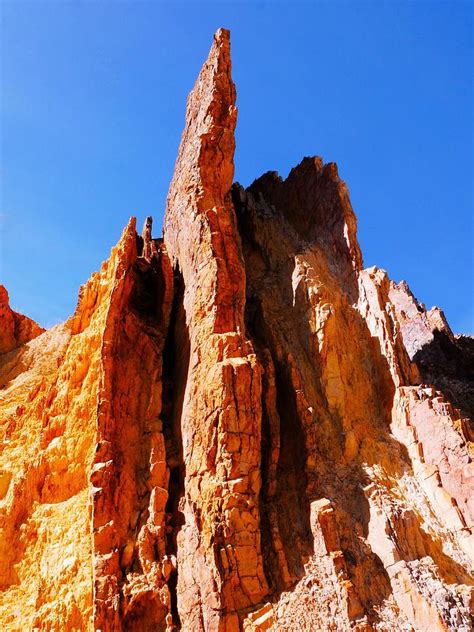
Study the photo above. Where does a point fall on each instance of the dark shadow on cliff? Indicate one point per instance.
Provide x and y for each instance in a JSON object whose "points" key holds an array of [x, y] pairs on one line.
{"points": [[448, 365], [276, 225], [149, 325], [12, 365], [175, 370], [310, 462]]}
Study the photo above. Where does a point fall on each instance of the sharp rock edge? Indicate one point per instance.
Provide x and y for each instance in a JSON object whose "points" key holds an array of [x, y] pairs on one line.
{"points": [[240, 427]]}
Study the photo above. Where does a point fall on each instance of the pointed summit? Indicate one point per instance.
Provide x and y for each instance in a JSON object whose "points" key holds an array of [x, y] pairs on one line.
{"points": [[200, 227], [206, 152], [205, 164], [204, 245]]}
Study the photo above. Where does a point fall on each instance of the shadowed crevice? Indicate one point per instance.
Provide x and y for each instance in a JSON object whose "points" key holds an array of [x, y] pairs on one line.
{"points": [[175, 371], [448, 364]]}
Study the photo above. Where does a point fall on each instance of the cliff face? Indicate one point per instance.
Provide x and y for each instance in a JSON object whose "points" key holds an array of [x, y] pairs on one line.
{"points": [[239, 427]]}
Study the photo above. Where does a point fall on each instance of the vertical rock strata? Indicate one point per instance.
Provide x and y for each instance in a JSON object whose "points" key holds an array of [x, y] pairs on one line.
{"points": [[367, 490], [82, 465], [240, 427], [219, 557], [129, 474]]}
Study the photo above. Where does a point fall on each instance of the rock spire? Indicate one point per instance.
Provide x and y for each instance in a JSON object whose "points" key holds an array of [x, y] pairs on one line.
{"points": [[240, 428]]}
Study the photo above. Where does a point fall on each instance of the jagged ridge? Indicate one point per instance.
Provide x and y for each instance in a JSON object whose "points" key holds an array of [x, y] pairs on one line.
{"points": [[233, 431]]}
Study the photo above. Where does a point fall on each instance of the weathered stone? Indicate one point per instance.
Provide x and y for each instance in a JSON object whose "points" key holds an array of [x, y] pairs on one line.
{"points": [[15, 329], [234, 430]]}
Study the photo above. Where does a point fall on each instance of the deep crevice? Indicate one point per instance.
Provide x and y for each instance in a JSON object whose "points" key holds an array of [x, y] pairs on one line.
{"points": [[288, 504], [291, 494], [271, 567], [175, 371], [146, 299]]}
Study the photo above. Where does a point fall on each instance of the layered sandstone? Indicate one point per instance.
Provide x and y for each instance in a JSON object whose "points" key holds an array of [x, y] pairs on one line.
{"points": [[240, 427]]}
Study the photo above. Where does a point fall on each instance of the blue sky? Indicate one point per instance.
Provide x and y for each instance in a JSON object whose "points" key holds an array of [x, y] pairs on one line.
{"points": [[93, 100]]}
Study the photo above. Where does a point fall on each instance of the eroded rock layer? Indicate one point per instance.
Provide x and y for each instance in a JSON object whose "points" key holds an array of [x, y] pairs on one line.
{"points": [[240, 427]]}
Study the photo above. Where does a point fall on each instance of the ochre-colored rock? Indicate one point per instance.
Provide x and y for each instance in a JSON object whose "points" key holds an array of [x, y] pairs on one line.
{"points": [[15, 329], [240, 427]]}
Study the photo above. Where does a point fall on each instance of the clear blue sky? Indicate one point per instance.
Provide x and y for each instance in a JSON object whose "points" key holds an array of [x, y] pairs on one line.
{"points": [[93, 100]]}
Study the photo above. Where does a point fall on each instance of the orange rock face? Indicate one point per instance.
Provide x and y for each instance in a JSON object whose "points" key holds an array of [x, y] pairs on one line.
{"points": [[16, 329], [239, 428]]}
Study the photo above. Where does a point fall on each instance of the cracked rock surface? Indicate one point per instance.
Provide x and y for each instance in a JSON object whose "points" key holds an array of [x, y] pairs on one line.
{"points": [[240, 428]]}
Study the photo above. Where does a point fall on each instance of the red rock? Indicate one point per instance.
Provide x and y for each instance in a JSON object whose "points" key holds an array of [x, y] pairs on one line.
{"points": [[15, 329], [221, 416], [239, 428]]}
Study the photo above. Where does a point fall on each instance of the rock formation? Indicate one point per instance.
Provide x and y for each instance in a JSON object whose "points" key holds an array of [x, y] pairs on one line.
{"points": [[16, 329], [240, 427]]}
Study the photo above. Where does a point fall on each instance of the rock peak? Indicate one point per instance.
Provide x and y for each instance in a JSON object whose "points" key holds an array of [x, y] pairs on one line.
{"points": [[199, 216], [235, 432], [205, 159], [149, 246], [15, 329], [222, 35]]}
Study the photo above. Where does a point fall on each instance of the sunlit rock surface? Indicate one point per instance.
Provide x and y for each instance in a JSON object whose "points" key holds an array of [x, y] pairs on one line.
{"points": [[240, 427], [15, 329]]}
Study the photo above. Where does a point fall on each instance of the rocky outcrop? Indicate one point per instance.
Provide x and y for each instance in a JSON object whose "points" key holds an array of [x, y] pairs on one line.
{"points": [[360, 454], [444, 360], [219, 543], [82, 463], [15, 329], [236, 430]]}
